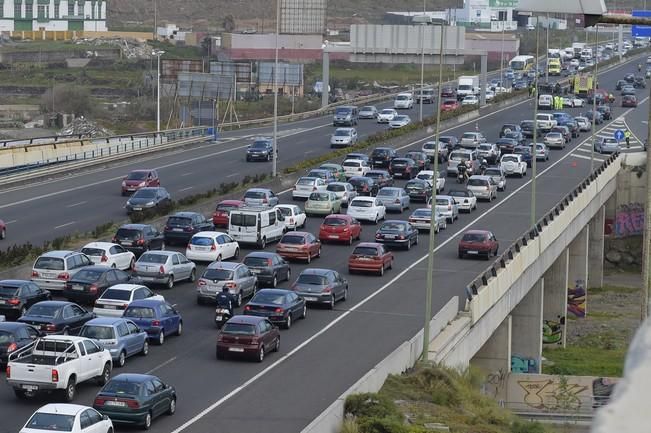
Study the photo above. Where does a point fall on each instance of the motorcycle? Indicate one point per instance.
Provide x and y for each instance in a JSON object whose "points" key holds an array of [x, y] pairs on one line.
{"points": [[222, 315], [461, 176]]}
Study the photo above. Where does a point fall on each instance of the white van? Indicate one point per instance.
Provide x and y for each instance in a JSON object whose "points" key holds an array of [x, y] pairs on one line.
{"points": [[545, 102], [259, 226], [403, 101]]}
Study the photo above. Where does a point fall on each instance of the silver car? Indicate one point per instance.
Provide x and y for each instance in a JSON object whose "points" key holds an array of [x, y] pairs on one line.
{"points": [[421, 219], [606, 145], [343, 190], [368, 112], [446, 206], [164, 267], [260, 197], [395, 199], [237, 277], [53, 269], [483, 187], [542, 152], [343, 137], [555, 139], [498, 177]]}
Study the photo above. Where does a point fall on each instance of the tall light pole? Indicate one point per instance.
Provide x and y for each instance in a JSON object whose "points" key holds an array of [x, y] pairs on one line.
{"points": [[594, 100], [158, 53], [274, 170], [432, 224], [502, 57], [534, 146], [547, 66], [423, 22]]}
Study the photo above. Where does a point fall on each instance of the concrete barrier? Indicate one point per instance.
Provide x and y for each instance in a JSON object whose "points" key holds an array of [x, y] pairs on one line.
{"points": [[398, 361]]}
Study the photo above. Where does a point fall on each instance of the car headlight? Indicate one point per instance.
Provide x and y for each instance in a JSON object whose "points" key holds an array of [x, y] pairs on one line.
{"points": [[149, 203], [124, 183], [141, 183]]}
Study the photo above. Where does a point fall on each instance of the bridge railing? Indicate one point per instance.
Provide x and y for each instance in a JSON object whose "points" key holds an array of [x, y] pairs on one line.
{"points": [[491, 284]]}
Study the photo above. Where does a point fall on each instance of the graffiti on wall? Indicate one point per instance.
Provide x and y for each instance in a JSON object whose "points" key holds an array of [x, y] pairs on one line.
{"points": [[549, 394], [576, 298], [521, 364], [553, 331], [629, 220]]}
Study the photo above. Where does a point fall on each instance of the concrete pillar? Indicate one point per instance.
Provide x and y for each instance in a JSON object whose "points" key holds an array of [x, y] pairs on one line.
{"points": [[495, 354], [596, 250], [483, 79], [526, 339], [555, 302], [325, 94], [578, 274]]}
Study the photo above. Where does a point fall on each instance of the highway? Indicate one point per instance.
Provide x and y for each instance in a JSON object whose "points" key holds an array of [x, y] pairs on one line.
{"points": [[323, 355]]}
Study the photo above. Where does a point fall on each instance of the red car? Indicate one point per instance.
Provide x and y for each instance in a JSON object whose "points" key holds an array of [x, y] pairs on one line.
{"points": [[450, 105], [139, 179], [247, 336], [370, 257], [629, 101], [3, 230], [478, 243], [340, 228], [299, 245], [223, 211]]}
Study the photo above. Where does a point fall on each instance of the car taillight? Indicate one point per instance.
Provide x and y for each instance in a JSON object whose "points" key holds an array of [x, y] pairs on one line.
{"points": [[201, 283], [14, 301], [50, 328], [346, 229], [397, 201], [132, 404], [114, 239], [55, 375], [449, 207], [155, 323], [278, 310], [264, 200], [213, 247], [327, 290], [401, 237], [269, 262], [161, 270], [34, 274], [140, 242], [63, 276], [365, 188], [188, 229], [104, 258], [167, 228], [93, 288], [12, 347], [99, 401], [247, 308], [378, 236], [8, 372], [231, 285]]}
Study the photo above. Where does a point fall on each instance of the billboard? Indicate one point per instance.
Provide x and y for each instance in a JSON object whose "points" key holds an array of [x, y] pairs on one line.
{"points": [[205, 86], [642, 31], [170, 68], [242, 71], [289, 74], [303, 17]]}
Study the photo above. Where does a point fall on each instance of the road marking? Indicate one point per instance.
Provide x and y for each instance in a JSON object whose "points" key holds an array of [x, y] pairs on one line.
{"points": [[158, 367], [186, 174], [357, 306], [65, 225], [186, 188], [77, 204], [11, 222], [586, 157]]}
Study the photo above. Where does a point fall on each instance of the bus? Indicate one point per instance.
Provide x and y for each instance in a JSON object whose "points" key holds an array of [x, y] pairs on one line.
{"points": [[522, 63]]}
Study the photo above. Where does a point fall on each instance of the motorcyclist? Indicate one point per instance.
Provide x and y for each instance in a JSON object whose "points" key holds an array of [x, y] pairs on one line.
{"points": [[226, 300], [462, 168], [483, 166], [639, 67]]}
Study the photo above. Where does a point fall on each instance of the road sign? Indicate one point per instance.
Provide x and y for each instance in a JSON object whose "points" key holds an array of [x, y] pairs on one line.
{"points": [[643, 31], [619, 135]]}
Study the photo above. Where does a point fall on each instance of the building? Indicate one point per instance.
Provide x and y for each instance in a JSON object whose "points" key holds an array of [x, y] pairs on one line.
{"points": [[293, 48], [486, 14], [495, 44], [52, 15]]}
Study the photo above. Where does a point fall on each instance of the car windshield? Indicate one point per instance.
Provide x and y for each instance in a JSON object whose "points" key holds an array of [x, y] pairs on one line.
{"points": [[458, 193], [179, 221], [402, 97], [386, 111], [145, 193], [610, 141], [336, 187], [315, 196], [342, 133], [361, 203], [415, 185], [469, 135], [218, 274], [449, 102], [139, 312], [128, 234], [473, 237], [137, 175], [243, 220], [201, 241], [477, 182], [51, 422], [342, 111], [285, 211], [293, 240], [225, 207], [354, 163], [306, 181], [459, 155], [116, 294], [6, 337], [41, 310], [238, 328], [8, 292], [159, 259], [492, 172], [312, 279], [269, 298], [88, 275], [335, 222], [380, 152], [97, 332], [392, 226], [384, 192], [93, 251], [257, 261], [442, 202], [486, 146], [49, 263], [554, 135], [259, 145], [122, 387], [400, 118], [508, 158], [365, 251], [367, 108], [422, 213], [255, 194]]}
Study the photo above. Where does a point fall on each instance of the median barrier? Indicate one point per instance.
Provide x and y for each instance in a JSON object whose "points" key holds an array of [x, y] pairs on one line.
{"points": [[398, 361]]}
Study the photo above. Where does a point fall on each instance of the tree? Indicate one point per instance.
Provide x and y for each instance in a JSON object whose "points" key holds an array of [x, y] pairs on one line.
{"points": [[229, 23], [68, 98]]}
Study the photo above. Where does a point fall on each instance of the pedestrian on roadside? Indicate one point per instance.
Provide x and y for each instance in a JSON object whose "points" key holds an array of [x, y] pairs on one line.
{"points": [[627, 137]]}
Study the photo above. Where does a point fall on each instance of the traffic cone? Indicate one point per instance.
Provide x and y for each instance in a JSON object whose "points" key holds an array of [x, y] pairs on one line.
{"points": [[573, 164]]}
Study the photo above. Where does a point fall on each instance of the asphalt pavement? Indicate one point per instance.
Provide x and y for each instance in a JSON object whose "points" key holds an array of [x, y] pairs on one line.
{"points": [[323, 355]]}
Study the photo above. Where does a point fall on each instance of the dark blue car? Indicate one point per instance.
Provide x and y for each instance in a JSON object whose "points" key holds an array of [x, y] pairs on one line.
{"points": [[525, 152], [157, 318], [278, 305], [57, 317]]}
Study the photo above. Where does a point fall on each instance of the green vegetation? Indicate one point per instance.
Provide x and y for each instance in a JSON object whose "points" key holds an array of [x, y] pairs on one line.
{"points": [[408, 403], [21, 46], [114, 76], [177, 52], [595, 356]]}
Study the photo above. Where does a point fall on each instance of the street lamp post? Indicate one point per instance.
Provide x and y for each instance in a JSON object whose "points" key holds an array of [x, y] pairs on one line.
{"points": [[274, 170], [534, 146], [423, 21], [594, 99], [547, 44], [158, 53]]}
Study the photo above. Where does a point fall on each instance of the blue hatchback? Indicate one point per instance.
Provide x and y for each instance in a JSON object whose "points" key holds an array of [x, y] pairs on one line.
{"points": [[158, 318], [120, 336]]}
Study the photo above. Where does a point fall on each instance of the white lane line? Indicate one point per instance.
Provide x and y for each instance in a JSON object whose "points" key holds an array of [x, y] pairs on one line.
{"points": [[65, 225], [11, 222], [354, 308], [158, 367], [186, 188], [77, 204], [232, 175], [576, 155], [187, 174]]}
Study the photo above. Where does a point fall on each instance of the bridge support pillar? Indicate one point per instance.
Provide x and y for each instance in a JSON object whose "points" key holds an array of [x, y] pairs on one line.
{"points": [[495, 354], [526, 340], [596, 250], [325, 93], [555, 302], [578, 274]]}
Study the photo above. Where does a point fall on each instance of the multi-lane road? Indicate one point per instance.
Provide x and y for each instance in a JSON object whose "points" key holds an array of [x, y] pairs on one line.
{"points": [[323, 355]]}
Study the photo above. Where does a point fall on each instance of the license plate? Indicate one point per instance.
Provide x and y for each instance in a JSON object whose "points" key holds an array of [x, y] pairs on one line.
{"points": [[333, 236], [137, 208], [30, 387], [472, 252], [115, 403], [77, 287], [110, 307], [127, 243], [235, 349], [218, 318], [177, 230], [365, 259], [389, 237], [2, 302], [310, 299]]}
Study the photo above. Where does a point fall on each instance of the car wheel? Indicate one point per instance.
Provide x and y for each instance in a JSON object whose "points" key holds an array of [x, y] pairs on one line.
{"points": [[179, 330], [103, 378], [237, 253], [23, 310], [132, 264], [345, 295], [70, 391], [304, 313], [416, 242], [161, 338], [376, 218], [263, 243], [145, 348], [170, 282], [274, 281], [289, 274], [172, 407], [331, 304], [146, 425], [193, 276], [350, 240], [162, 247], [261, 353], [288, 322], [122, 359], [309, 258], [113, 266], [381, 271], [408, 244], [277, 345], [238, 301]]}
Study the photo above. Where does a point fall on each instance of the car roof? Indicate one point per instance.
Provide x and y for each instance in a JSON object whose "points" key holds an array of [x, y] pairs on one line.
{"points": [[315, 271], [368, 244], [13, 283], [59, 253], [238, 202], [135, 226], [263, 254], [476, 232], [337, 215], [161, 252], [126, 287], [184, 214], [259, 189], [56, 303], [275, 291], [141, 169], [133, 377], [364, 198], [208, 233], [246, 320], [99, 245], [224, 265], [105, 321], [100, 268], [151, 303], [62, 408], [309, 177], [11, 326], [481, 177]]}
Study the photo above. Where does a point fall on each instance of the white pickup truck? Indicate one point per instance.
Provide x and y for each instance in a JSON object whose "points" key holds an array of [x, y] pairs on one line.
{"points": [[57, 363]]}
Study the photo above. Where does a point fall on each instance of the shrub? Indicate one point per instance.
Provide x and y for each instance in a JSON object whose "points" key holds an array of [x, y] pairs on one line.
{"points": [[371, 405]]}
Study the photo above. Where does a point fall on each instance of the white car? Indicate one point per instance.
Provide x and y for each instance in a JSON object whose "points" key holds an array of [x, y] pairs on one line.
{"points": [[572, 101], [446, 206], [498, 177], [584, 123], [482, 187], [294, 216], [116, 299], [490, 95], [386, 115], [343, 137], [64, 417], [512, 164], [472, 140], [343, 190], [399, 121], [109, 254], [464, 199], [366, 209], [306, 185], [428, 176], [403, 101], [355, 167], [470, 100], [574, 63], [212, 246], [421, 219]]}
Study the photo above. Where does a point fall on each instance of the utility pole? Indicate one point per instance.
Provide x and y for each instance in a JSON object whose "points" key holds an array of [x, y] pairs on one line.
{"points": [[274, 170], [535, 131], [594, 100], [546, 66]]}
